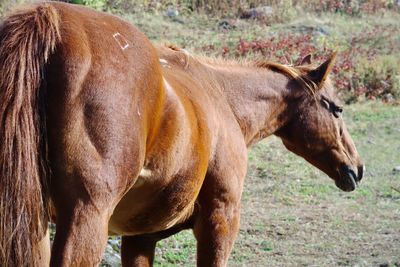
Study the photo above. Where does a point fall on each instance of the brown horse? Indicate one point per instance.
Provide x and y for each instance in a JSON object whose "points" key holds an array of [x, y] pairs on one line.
{"points": [[105, 134]]}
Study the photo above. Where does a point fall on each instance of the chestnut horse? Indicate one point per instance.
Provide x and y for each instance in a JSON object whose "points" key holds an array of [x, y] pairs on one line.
{"points": [[105, 134]]}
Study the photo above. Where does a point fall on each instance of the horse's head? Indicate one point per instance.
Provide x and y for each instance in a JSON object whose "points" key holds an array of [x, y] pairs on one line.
{"points": [[317, 131]]}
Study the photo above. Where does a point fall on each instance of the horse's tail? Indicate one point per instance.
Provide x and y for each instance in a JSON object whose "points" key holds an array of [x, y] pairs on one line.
{"points": [[27, 39]]}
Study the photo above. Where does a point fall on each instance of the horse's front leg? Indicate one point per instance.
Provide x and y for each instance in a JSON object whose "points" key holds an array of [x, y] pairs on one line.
{"points": [[217, 223]]}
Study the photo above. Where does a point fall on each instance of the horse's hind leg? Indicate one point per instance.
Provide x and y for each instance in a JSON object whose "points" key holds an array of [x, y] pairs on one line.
{"points": [[93, 162], [82, 227], [80, 239], [96, 150], [85, 189], [138, 251]]}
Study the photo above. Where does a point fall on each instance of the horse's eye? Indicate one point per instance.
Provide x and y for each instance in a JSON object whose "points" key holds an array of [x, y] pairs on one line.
{"points": [[325, 103], [332, 107]]}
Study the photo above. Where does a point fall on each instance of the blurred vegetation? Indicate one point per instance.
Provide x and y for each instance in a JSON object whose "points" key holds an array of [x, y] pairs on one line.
{"points": [[366, 33], [234, 7]]}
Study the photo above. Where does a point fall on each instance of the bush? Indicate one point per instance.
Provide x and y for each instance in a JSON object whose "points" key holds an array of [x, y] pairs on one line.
{"points": [[350, 7], [363, 68], [227, 8], [380, 77], [96, 4], [7, 5]]}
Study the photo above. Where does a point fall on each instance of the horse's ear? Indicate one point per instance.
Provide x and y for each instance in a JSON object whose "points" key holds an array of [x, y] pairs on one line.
{"points": [[306, 60], [319, 75]]}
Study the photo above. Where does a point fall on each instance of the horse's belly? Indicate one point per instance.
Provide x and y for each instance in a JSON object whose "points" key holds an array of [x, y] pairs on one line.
{"points": [[152, 206]]}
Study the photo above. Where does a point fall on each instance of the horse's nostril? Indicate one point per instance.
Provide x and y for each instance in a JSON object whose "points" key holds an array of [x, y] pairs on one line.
{"points": [[360, 172]]}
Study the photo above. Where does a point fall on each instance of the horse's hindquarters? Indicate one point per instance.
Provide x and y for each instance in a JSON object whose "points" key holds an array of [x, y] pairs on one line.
{"points": [[99, 83]]}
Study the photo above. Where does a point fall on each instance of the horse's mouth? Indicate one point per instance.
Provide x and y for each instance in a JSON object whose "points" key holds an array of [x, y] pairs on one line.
{"points": [[349, 180]]}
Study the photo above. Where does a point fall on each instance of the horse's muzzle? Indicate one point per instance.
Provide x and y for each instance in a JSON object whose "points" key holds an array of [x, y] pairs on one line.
{"points": [[349, 180]]}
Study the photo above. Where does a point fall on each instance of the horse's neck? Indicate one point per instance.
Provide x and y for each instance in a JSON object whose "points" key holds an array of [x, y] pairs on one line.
{"points": [[259, 98]]}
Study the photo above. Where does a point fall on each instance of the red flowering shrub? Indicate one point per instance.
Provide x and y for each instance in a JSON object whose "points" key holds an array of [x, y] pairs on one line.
{"points": [[359, 70]]}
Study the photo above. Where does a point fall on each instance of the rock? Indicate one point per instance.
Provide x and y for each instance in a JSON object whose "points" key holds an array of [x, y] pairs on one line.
{"points": [[172, 12], [317, 30], [111, 255], [396, 169], [388, 97], [227, 24], [257, 13]]}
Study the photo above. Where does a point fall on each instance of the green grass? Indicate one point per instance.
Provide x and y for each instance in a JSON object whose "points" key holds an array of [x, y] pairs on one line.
{"points": [[176, 250]]}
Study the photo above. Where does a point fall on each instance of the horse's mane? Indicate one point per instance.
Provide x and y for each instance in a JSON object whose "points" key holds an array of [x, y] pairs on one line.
{"points": [[297, 73]]}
